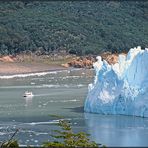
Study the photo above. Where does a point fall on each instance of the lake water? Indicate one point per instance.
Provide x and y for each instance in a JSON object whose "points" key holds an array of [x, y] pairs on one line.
{"points": [[61, 93]]}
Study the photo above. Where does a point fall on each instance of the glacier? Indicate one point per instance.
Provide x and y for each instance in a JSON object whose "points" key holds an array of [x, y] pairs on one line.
{"points": [[121, 88]]}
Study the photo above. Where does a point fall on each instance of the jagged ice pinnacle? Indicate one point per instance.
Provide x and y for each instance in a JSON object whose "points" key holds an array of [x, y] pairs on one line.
{"points": [[121, 88]]}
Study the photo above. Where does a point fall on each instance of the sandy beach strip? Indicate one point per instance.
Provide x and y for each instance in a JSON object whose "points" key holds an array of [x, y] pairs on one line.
{"points": [[24, 68]]}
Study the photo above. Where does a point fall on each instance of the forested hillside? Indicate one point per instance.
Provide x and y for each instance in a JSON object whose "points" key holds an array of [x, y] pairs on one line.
{"points": [[80, 26]]}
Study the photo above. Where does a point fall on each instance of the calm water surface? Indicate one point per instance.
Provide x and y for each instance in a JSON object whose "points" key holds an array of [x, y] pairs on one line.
{"points": [[61, 93]]}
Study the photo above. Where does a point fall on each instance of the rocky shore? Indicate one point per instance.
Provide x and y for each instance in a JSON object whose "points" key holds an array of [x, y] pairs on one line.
{"points": [[33, 63], [81, 62], [87, 61]]}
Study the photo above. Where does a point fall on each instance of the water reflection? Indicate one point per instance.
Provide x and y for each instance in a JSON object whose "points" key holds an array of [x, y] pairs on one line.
{"points": [[117, 130], [28, 101]]}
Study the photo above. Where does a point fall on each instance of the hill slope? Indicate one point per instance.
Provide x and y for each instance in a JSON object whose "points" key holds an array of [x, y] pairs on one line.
{"points": [[81, 27]]}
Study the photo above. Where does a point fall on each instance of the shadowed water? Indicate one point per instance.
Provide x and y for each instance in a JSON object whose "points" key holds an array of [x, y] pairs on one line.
{"points": [[61, 93]]}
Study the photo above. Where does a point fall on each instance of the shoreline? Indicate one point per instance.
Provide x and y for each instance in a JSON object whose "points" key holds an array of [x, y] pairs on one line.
{"points": [[9, 69], [28, 64]]}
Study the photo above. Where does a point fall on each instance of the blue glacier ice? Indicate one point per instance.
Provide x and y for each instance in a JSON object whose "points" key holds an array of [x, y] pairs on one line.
{"points": [[121, 88]]}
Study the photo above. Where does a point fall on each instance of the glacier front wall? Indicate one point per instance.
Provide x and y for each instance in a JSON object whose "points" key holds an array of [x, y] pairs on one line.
{"points": [[121, 88]]}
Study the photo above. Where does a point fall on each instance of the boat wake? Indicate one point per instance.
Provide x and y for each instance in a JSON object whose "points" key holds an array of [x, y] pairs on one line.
{"points": [[38, 95]]}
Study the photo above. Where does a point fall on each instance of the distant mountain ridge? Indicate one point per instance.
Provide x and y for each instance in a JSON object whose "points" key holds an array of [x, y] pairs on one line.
{"points": [[80, 27]]}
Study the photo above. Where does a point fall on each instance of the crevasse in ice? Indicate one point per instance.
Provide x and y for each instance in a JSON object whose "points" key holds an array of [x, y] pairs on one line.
{"points": [[121, 88]]}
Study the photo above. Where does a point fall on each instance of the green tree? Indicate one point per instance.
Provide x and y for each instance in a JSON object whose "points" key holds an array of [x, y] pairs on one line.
{"points": [[11, 143], [69, 138]]}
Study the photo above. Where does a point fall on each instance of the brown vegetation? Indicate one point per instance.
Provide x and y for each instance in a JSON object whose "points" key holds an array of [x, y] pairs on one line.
{"points": [[7, 59], [81, 62], [87, 61], [109, 57]]}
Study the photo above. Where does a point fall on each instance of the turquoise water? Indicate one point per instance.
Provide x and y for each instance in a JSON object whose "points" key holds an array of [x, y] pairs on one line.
{"points": [[61, 93]]}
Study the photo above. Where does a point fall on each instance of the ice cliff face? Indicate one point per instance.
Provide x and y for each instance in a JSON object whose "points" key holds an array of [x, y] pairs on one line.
{"points": [[121, 88]]}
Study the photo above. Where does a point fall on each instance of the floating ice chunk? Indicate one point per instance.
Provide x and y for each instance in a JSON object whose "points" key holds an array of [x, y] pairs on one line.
{"points": [[121, 88]]}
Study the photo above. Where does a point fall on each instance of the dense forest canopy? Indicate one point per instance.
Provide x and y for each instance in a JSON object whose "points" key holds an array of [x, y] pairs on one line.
{"points": [[80, 27]]}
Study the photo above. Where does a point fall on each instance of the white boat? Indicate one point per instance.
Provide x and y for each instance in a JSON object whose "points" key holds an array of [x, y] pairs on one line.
{"points": [[28, 94]]}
